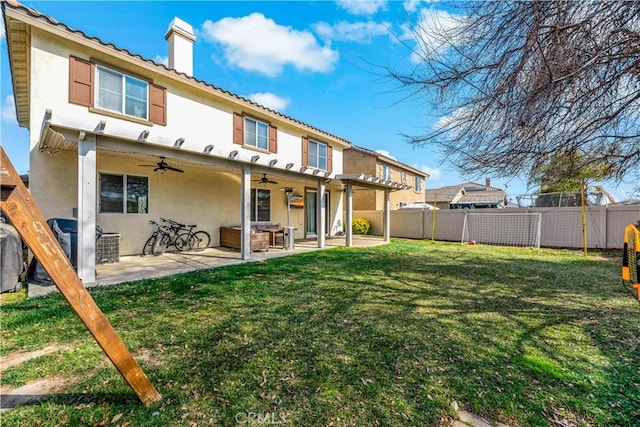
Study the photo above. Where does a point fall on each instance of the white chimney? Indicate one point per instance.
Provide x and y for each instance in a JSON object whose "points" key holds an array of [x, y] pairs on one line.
{"points": [[181, 38], [487, 182]]}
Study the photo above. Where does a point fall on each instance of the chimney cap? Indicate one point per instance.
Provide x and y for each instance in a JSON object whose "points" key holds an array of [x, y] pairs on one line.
{"points": [[182, 28]]}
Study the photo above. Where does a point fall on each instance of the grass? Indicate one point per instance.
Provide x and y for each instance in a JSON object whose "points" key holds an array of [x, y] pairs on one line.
{"points": [[381, 336]]}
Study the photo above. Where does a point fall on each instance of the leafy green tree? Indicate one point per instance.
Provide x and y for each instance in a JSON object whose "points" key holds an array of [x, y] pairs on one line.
{"points": [[569, 171]]}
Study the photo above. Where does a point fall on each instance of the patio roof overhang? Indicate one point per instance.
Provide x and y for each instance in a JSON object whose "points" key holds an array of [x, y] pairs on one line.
{"points": [[371, 182], [60, 133]]}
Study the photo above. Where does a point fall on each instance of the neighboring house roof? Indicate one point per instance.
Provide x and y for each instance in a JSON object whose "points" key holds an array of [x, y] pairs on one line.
{"points": [[467, 193], [443, 194], [22, 106], [389, 160]]}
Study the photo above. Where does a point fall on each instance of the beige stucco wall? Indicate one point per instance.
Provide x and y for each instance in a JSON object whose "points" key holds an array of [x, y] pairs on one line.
{"points": [[363, 199], [206, 196], [191, 114]]}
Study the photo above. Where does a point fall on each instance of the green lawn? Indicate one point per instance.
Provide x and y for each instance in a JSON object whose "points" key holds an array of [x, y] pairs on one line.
{"points": [[381, 336]]}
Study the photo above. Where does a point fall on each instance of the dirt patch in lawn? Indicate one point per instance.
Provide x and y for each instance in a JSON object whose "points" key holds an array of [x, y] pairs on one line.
{"points": [[19, 357], [32, 392]]}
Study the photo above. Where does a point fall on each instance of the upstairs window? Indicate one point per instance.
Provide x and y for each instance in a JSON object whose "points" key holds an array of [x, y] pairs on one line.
{"points": [[403, 177], [256, 133], [121, 93], [107, 90], [386, 173], [251, 132], [317, 155], [418, 184]]}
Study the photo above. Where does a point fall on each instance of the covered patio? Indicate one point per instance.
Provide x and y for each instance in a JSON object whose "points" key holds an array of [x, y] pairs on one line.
{"points": [[136, 267]]}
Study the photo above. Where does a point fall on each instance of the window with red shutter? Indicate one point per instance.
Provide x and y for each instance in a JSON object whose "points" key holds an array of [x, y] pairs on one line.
{"points": [[317, 154], [131, 98]]}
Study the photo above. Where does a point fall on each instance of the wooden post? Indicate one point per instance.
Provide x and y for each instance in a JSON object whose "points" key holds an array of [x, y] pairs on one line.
{"points": [[26, 217]]}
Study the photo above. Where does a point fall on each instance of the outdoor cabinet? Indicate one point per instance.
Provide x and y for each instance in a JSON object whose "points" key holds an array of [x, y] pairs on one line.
{"points": [[231, 237]]}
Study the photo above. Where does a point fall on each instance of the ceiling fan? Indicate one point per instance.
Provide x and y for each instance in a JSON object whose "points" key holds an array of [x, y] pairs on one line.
{"points": [[162, 166], [264, 180]]}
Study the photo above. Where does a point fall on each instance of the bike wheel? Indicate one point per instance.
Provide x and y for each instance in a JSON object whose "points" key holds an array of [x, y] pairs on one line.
{"points": [[148, 246], [161, 243], [200, 240], [183, 242]]}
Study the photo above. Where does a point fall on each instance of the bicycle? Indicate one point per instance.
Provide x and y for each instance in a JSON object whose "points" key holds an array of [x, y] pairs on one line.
{"points": [[193, 240], [148, 246], [169, 235], [182, 237]]}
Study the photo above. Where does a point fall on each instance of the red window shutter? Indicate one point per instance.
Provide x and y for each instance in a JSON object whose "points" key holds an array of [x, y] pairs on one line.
{"points": [[238, 128], [305, 151], [273, 139], [329, 158], [81, 78], [157, 104]]}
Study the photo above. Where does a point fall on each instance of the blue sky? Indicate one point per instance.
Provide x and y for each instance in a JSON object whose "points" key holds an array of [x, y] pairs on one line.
{"points": [[316, 61]]}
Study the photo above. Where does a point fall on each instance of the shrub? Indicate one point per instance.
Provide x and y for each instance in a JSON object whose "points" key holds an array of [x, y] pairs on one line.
{"points": [[361, 226]]}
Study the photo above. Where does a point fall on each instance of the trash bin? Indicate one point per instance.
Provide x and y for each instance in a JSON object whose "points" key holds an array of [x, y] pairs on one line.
{"points": [[66, 232], [289, 238]]}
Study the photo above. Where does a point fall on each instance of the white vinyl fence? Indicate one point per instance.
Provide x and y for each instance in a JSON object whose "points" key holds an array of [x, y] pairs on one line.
{"points": [[560, 227]]}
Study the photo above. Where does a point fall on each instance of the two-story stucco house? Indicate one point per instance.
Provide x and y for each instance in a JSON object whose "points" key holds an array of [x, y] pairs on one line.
{"points": [[358, 159], [108, 129]]}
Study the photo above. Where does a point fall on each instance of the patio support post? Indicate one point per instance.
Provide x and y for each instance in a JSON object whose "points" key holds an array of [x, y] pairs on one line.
{"points": [[348, 226], [87, 189], [386, 220], [321, 214], [245, 210]]}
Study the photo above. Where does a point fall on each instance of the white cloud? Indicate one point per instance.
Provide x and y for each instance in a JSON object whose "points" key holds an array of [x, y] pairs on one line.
{"points": [[362, 7], [270, 100], [257, 43], [386, 154], [434, 173], [362, 32], [433, 33], [9, 109], [450, 121], [411, 5], [2, 32], [159, 59]]}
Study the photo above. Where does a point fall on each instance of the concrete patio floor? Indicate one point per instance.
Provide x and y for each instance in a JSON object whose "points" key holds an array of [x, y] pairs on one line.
{"points": [[137, 267]]}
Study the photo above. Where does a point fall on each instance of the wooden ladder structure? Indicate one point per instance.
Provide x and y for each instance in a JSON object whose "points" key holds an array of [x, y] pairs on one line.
{"points": [[26, 217]]}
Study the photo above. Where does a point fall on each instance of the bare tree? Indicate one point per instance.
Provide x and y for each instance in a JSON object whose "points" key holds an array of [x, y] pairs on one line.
{"points": [[518, 82]]}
